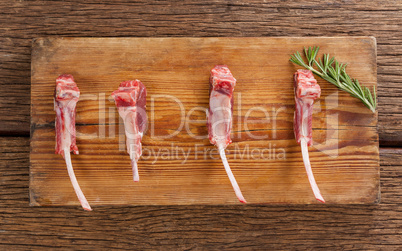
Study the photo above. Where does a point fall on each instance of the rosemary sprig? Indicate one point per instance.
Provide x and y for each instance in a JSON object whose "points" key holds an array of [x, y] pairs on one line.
{"points": [[334, 72]]}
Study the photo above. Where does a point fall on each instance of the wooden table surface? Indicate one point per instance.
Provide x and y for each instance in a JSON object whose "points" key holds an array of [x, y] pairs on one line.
{"points": [[314, 226]]}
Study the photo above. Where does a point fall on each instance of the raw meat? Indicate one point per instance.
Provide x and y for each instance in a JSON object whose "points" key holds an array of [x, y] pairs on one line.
{"points": [[65, 99], [219, 116], [130, 99], [306, 91]]}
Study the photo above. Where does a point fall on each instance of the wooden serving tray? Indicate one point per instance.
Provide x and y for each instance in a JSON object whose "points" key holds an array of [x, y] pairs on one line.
{"points": [[179, 165]]}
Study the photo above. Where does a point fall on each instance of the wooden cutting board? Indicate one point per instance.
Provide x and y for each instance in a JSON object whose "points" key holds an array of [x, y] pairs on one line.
{"points": [[179, 165]]}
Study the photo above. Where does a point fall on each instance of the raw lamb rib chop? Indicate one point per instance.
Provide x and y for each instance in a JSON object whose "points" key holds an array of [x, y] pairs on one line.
{"points": [[65, 99], [306, 91], [130, 100], [219, 116]]}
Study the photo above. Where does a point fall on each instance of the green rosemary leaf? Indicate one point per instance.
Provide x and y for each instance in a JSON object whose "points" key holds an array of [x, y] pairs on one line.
{"points": [[369, 96], [375, 97], [357, 85]]}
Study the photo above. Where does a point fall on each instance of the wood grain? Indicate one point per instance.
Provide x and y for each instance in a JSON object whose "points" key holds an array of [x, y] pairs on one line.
{"points": [[335, 227], [23, 21], [185, 168]]}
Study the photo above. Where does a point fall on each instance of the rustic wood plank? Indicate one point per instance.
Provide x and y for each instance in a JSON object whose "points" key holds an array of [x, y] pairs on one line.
{"points": [[344, 227], [14, 175], [14, 111], [268, 168], [191, 18]]}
